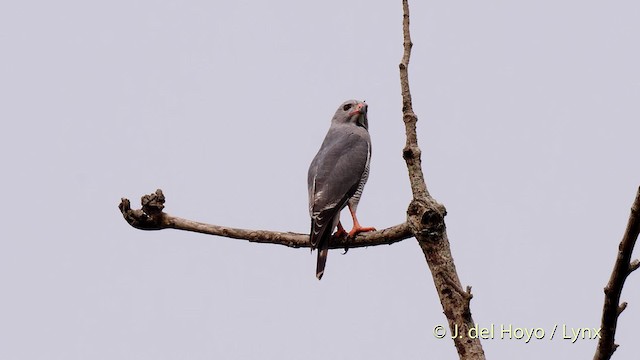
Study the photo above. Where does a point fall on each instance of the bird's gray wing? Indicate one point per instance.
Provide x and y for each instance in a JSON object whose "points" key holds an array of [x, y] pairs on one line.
{"points": [[334, 176]]}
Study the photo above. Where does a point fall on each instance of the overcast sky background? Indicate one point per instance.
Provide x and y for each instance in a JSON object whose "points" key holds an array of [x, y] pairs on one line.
{"points": [[528, 120]]}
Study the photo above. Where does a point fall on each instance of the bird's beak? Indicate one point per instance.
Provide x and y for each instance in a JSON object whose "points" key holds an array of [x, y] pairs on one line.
{"points": [[361, 108], [361, 112]]}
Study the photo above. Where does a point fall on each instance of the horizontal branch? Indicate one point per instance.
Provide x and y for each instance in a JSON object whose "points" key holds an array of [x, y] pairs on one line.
{"points": [[152, 217]]}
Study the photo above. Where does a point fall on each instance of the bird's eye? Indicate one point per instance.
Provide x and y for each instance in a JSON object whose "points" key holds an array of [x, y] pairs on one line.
{"points": [[346, 107]]}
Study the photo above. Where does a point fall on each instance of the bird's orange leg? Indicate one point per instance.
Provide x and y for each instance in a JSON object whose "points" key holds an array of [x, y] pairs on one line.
{"points": [[341, 231], [357, 228]]}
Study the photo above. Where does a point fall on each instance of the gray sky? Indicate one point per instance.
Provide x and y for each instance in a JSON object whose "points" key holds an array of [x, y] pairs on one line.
{"points": [[528, 122]]}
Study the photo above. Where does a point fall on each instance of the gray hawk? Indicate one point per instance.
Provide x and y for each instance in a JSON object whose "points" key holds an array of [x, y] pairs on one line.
{"points": [[337, 176]]}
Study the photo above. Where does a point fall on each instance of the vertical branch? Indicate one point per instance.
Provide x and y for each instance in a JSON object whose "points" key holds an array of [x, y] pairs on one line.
{"points": [[621, 269], [426, 219], [411, 152]]}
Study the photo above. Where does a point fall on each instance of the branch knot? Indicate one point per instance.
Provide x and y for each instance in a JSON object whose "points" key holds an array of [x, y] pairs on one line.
{"points": [[426, 217], [411, 152], [153, 204], [150, 217]]}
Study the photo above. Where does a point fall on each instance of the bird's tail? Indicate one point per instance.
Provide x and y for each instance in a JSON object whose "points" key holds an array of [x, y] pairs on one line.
{"points": [[320, 235], [322, 260]]}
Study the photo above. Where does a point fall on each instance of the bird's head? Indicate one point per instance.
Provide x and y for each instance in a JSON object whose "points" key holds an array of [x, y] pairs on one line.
{"points": [[352, 112]]}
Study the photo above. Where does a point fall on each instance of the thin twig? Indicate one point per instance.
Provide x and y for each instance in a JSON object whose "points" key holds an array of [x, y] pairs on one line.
{"points": [[621, 269]]}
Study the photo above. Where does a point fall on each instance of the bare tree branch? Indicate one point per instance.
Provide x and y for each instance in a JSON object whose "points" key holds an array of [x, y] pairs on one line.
{"points": [[152, 217], [426, 218], [621, 269]]}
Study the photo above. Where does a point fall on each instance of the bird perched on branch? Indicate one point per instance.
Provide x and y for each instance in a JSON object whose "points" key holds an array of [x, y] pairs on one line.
{"points": [[337, 176]]}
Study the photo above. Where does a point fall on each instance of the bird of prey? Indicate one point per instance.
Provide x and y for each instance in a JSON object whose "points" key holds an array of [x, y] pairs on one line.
{"points": [[337, 176]]}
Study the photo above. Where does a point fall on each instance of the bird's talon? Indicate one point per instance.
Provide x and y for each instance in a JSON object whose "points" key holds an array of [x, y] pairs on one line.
{"points": [[340, 233]]}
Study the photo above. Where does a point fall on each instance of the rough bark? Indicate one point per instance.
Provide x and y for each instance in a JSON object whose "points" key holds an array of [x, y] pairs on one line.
{"points": [[426, 219], [621, 269]]}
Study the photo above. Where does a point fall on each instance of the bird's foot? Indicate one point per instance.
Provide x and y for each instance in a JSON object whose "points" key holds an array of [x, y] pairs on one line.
{"points": [[358, 229], [341, 232]]}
